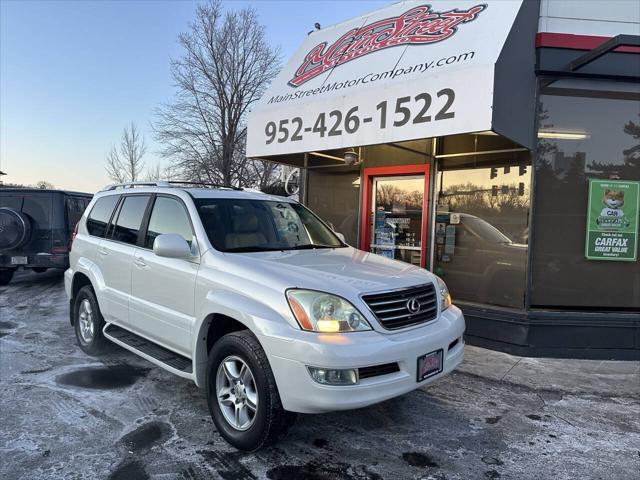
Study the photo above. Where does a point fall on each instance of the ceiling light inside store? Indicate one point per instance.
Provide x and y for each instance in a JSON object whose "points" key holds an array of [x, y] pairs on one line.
{"points": [[563, 135]]}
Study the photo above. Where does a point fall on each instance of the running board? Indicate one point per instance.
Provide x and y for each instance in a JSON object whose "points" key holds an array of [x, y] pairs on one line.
{"points": [[163, 357]]}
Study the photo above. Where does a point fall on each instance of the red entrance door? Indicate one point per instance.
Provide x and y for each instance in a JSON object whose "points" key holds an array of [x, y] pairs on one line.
{"points": [[395, 212]]}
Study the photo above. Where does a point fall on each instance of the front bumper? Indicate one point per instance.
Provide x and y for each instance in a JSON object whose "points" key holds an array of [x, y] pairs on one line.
{"points": [[289, 358]]}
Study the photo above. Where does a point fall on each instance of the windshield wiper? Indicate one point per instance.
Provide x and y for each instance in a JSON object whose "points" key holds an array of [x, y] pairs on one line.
{"points": [[252, 249], [310, 246]]}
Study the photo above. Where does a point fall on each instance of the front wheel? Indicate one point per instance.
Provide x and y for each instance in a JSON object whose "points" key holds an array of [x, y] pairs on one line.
{"points": [[242, 395]]}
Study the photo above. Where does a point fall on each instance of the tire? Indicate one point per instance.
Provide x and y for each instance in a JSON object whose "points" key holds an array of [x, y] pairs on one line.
{"points": [[6, 275], [16, 229], [89, 327], [270, 421]]}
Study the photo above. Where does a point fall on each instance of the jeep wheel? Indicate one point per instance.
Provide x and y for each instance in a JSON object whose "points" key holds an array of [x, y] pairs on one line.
{"points": [[242, 394], [6, 275], [88, 322]]}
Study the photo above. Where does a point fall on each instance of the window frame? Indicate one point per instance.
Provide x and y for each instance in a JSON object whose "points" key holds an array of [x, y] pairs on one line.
{"points": [[546, 88], [144, 227], [113, 211], [116, 214]]}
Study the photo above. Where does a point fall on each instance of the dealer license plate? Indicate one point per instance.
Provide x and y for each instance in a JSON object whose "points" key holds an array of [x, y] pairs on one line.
{"points": [[19, 260], [429, 365]]}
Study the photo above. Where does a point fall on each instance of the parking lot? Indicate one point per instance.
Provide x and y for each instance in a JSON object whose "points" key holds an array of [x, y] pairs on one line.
{"points": [[66, 415]]}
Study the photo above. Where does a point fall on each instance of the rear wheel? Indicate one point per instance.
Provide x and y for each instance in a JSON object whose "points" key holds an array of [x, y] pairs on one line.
{"points": [[88, 322], [6, 275], [242, 395]]}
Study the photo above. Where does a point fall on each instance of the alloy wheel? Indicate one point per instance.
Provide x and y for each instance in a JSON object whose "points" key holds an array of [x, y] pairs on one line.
{"points": [[87, 325], [236, 392]]}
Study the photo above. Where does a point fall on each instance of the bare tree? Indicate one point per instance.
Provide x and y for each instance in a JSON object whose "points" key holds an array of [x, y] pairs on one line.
{"points": [[154, 173], [224, 69], [124, 161], [43, 184]]}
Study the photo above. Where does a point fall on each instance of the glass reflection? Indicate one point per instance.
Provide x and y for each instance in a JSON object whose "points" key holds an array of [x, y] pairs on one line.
{"points": [[397, 218], [481, 233], [581, 137]]}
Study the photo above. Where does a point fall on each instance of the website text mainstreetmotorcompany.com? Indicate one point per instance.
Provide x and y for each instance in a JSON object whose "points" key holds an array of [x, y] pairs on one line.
{"points": [[374, 77]]}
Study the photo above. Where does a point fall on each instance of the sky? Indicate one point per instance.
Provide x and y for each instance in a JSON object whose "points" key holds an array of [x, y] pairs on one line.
{"points": [[73, 74]]}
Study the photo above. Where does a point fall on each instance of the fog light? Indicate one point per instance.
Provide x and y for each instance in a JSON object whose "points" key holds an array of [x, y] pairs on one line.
{"points": [[327, 376]]}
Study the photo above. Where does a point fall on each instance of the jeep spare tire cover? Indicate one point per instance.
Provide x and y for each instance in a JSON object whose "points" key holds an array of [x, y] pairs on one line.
{"points": [[15, 228]]}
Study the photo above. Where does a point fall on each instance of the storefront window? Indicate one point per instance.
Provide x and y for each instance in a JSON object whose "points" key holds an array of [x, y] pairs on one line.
{"points": [[397, 221], [587, 130], [481, 227], [334, 197]]}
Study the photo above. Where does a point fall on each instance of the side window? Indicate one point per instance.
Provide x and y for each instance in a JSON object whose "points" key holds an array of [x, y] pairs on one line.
{"points": [[100, 215], [129, 219], [168, 216]]}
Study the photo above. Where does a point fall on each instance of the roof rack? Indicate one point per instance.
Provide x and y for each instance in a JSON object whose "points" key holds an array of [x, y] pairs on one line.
{"points": [[166, 184], [115, 186], [203, 184]]}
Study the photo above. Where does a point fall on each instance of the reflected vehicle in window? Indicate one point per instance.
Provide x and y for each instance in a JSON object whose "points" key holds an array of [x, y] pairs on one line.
{"points": [[258, 301], [36, 228], [479, 262]]}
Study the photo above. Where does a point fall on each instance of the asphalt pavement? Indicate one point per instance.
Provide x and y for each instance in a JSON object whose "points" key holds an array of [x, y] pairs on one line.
{"points": [[69, 416]]}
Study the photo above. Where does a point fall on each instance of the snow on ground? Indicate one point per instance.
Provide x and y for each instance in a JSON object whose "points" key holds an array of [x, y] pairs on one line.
{"points": [[67, 415]]}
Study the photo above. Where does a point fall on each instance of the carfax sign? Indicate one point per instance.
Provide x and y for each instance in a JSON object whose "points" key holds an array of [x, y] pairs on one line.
{"points": [[612, 220]]}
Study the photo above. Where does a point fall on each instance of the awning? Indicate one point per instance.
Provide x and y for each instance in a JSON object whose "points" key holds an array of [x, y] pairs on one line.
{"points": [[408, 71]]}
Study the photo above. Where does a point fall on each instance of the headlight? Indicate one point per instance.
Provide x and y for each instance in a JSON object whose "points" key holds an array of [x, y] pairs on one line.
{"points": [[445, 297], [323, 312]]}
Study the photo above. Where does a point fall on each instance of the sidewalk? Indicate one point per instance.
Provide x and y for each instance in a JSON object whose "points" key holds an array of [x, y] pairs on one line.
{"points": [[599, 377]]}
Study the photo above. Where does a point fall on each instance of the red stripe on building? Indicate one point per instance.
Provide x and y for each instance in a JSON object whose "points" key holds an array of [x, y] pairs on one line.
{"points": [[576, 42]]}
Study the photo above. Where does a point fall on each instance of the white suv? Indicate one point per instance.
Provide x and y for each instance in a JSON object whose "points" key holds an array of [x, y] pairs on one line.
{"points": [[257, 300]]}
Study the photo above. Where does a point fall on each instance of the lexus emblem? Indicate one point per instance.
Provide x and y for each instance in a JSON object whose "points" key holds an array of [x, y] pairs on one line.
{"points": [[413, 305]]}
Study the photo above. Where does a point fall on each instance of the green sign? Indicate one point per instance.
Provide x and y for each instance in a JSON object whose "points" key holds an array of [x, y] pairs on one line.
{"points": [[612, 220]]}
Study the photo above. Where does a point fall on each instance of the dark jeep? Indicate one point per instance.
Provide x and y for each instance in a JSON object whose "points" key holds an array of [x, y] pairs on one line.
{"points": [[36, 227]]}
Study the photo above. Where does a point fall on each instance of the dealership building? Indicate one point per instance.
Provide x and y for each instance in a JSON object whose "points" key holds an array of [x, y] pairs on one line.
{"points": [[494, 143]]}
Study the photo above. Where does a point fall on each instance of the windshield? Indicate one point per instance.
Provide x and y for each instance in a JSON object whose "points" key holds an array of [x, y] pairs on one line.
{"points": [[238, 225], [485, 230]]}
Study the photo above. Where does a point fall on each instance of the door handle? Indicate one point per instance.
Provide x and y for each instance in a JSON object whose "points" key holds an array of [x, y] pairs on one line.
{"points": [[103, 251], [139, 261]]}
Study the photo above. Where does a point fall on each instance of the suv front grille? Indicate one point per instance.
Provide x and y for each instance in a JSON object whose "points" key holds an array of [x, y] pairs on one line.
{"points": [[392, 308]]}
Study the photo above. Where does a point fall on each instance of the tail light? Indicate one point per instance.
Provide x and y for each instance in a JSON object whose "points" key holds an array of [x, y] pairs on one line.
{"points": [[73, 236]]}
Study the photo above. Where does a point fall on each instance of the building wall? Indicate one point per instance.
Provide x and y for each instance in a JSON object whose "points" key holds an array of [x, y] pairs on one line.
{"points": [[608, 18]]}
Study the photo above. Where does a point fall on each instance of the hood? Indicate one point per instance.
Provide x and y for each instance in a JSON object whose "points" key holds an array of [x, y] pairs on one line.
{"points": [[330, 270]]}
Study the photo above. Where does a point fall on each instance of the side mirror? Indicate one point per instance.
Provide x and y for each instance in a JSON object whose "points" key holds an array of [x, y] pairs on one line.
{"points": [[340, 236], [171, 245]]}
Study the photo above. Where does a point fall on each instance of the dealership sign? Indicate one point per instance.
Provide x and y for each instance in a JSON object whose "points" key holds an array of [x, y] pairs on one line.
{"points": [[612, 220], [411, 70], [414, 27]]}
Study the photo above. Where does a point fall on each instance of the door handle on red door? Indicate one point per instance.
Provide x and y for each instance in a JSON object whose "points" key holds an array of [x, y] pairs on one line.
{"points": [[139, 261]]}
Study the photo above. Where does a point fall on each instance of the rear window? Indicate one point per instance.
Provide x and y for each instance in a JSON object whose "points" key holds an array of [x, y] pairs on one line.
{"points": [[129, 219], [75, 208], [100, 215], [37, 206]]}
